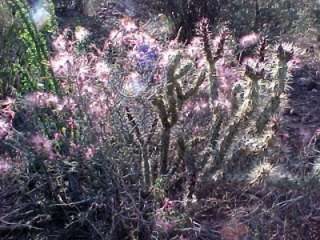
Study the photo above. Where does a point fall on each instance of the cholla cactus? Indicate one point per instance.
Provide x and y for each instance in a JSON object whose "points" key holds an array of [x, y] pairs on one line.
{"points": [[243, 97], [172, 101], [245, 132]]}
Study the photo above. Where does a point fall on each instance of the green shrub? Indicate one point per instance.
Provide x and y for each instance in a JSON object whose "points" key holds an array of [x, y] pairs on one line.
{"points": [[25, 52]]}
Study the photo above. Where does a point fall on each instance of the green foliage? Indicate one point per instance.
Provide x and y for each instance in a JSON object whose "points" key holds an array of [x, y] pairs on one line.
{"points": [[26, 65]]}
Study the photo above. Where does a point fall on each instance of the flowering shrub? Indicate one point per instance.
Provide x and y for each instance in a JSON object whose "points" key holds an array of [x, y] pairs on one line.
{"points": [[140, 127], [105, 92]]}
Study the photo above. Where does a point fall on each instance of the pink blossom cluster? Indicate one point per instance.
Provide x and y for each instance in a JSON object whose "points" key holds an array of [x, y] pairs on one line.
{"points": [[42, 146], [194, 50], [62, 59], [295, 64], [249, 40], [4, 129], [84, 78], [129, 35], [227, 77], [6, 117], [4, 166], [196, 106], [40, 100], [163, 221]]}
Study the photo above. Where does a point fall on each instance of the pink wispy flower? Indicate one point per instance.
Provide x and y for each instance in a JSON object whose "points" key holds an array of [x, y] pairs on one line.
{"points": [[249, 40], [42, 146], [4, 129], [62, 63], [227, 76], [294, 64], [41, 100], [89, 152], [59, 44], [4, 166], [81, 33], [102, 71], [194, 49]]}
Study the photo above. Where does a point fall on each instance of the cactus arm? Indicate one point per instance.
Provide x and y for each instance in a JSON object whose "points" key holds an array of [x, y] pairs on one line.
{"points": [[165, 144], [168, 116], [234, 101], [134, 125], [165, 133], [185, 69], [206, 45], [146, 165], [247, 107], [175, 98], [278, 89], [152, 131], [214, 86], [144, 145], [267, 112], [216, 126], [163, 115], [171, 84], [180, 95], [193, 90]]}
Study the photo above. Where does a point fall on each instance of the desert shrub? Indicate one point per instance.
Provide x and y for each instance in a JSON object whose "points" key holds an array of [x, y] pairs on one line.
{"points": [[146, 135]]}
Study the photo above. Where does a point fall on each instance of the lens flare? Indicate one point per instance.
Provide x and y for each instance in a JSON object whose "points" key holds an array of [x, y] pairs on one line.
{"points": [[40, 14]]}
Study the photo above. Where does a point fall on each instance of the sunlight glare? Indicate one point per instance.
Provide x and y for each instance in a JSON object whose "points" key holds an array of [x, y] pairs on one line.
{"points": [[40, 14]]}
